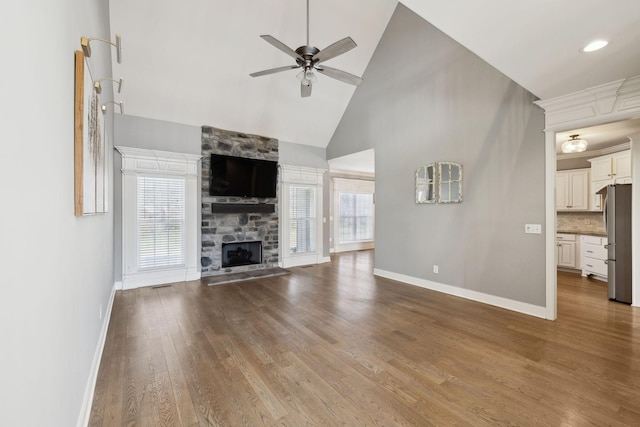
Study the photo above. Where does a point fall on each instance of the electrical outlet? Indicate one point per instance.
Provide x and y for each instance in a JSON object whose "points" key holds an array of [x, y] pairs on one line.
{"points": [[435, 269], [533, 228]]}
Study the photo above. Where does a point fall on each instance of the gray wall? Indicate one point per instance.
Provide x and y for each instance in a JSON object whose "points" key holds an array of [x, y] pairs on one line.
{"points": [[426, 98], [57, 269], [303, 155], [140, 132]]}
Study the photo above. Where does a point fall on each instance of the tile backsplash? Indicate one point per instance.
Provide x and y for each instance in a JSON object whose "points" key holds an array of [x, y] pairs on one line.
{"points": [[581, 222]]}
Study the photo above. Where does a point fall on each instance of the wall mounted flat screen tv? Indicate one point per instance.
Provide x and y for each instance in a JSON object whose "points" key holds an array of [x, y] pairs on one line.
{"points": [[242, 177]]}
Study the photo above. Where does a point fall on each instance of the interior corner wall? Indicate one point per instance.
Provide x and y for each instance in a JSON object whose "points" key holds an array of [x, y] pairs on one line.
{"points": [[150, 134], [425, 98], [57, 269]]}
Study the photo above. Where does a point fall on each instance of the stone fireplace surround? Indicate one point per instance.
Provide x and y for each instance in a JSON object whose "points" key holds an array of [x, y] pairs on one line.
{"points": [[236, 219]]}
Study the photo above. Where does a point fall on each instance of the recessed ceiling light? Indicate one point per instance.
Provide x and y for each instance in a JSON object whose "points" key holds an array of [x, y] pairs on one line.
{"points": [[595, 45]]}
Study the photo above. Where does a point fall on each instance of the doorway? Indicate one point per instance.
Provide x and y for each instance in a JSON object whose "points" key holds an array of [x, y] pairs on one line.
{"points": [[609, 103]]}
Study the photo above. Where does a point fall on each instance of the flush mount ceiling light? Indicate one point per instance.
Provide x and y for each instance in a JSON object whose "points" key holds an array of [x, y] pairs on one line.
{"points": [[574, 145], [595, 45]]}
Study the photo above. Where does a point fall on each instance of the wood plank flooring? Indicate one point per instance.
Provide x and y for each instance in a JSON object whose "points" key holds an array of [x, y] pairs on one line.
{"points": [[334, 345]]}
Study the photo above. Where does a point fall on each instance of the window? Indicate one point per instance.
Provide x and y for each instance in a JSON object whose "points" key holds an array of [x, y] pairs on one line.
{"points": [[159, 217], [301, 216], [353, 213], [302, 219], [161, 222], [356, 217]]}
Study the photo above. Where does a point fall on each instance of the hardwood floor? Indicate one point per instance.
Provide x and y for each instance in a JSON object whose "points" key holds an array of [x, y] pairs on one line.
{"points": [[334, 345]]}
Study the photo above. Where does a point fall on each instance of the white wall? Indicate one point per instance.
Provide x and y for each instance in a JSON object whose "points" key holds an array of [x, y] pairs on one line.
{"points": [[56, 270]]}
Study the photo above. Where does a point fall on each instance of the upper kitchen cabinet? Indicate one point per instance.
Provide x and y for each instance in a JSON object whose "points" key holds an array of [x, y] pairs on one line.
{"points": [[610, 169], [572, 190]]}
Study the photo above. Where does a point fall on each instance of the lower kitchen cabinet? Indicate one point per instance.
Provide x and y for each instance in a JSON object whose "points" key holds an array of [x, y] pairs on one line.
{"points": [[567, 251], [593, 256]]}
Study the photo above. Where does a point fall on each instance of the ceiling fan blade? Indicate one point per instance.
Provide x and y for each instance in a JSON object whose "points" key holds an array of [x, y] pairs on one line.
{"points": [[283, 47], [338, 48], [273, 70], [305, 90], [343, 76]]}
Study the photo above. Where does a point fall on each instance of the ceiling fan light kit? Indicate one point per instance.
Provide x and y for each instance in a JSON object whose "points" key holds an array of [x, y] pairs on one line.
{"points": [[309, 58]]}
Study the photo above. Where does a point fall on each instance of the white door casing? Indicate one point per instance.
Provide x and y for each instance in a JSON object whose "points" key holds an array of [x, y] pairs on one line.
{"points": [[611, 102]]}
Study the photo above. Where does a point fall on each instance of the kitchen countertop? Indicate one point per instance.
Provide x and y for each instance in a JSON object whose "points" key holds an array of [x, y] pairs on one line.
{"points": [[586, 233]]}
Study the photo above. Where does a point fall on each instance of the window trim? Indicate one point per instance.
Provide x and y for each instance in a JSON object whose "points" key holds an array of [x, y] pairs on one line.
{"points": [[141, 162], [300, 176]]}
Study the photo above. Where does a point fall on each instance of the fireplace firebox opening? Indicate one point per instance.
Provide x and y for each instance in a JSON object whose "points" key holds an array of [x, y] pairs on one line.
{"points": [[241, 253]]}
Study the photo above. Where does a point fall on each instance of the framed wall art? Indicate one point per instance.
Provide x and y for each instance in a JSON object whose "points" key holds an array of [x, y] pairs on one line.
{"points": [[90, 168]]}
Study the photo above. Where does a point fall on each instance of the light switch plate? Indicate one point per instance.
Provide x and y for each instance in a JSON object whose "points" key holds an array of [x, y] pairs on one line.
{"points": [[533, 228]]}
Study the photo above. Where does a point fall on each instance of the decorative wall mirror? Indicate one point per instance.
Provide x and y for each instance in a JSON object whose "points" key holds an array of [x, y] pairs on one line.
{"points": [[425, 184], [450, 187]]}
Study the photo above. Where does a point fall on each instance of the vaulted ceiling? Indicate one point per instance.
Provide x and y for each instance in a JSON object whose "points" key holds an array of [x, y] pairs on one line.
{"points": [[189, 61]]}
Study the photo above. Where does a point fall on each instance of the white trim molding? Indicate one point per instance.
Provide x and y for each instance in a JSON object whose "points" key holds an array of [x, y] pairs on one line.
{"points": [[141, 162], [635, 220], [611, 102], [509, 304], [607, 103]]}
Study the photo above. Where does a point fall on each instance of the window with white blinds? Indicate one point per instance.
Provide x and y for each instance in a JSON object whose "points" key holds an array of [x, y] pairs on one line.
{"points": [[356, 217], [302, 219], [161, 222]]}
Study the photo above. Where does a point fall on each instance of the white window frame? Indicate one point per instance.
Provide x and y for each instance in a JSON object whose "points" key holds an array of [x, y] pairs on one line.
{"points": [[161, 164], [357, 186], [300, 176]]}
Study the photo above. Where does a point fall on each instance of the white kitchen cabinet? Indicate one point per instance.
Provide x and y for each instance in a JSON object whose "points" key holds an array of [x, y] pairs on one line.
{"points": [[596, 201], [593, 255], [566, 251], [572, 190], [610, 169]]}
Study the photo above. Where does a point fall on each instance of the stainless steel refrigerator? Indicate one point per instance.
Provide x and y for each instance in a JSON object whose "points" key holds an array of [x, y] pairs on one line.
{"points": [[618, 222]]}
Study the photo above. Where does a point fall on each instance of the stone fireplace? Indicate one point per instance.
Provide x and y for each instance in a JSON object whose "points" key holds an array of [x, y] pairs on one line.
{"points": [[242, 222]]}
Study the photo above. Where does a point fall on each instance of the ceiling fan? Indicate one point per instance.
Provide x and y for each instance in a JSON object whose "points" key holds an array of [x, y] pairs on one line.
{"points": [[310, 58]]}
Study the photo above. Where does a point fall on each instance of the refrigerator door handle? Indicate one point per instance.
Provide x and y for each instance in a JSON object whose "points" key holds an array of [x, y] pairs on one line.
{"points": [[604, 211]]}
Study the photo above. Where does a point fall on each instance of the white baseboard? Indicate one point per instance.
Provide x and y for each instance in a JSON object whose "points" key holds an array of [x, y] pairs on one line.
{"points": [[85, 410], [325, 259], [509, 304], [118, 286]]}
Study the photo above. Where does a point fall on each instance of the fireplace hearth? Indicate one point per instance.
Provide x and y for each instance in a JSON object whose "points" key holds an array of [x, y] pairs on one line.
{"points": [[241, 253]]}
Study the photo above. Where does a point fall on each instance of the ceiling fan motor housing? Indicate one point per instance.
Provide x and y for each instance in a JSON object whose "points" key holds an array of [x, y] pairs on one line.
{"points": [[307, 53]]}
